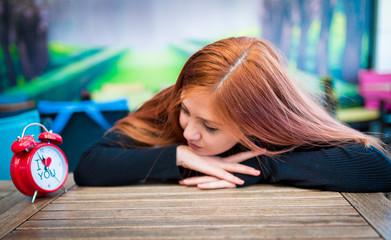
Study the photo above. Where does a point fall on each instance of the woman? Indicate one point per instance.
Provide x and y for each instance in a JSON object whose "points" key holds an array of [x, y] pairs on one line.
{"points": [[235, 118]]}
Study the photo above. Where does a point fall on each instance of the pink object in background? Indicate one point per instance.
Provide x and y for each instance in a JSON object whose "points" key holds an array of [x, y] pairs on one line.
{"points": [[375, 87]]}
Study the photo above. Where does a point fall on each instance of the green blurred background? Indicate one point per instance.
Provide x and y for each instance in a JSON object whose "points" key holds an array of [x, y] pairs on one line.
{"points": [[63, 50]]}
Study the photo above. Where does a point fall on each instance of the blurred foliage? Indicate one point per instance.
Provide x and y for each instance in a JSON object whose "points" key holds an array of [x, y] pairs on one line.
{"points": [[23, 40]]}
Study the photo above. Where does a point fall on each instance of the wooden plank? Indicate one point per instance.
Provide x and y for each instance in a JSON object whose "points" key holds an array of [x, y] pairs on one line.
{"points": [[158, 203], [242, 211], [176, 188], [7, 186], [85, 191], [7, 199], [10, 201], [201, 232], [375, 208], [20, 207], [204, 221], [177, 212], [167, 195], [2, 195]]}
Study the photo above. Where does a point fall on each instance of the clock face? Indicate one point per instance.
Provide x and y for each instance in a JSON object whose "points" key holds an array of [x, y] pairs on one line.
{"points": [[48, 167]]}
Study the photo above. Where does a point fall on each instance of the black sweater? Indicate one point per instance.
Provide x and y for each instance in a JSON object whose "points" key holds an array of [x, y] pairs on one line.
{"points": [[347, 168]]}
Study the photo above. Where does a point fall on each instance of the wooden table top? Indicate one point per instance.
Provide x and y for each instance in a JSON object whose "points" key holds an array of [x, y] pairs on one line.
{"points": [[169, 211]]}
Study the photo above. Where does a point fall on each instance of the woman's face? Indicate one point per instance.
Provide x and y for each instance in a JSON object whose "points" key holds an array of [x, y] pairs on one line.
{"points": [[203, 133]]}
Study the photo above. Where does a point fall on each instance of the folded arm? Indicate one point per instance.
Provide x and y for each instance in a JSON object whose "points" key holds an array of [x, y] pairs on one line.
{"points": [[348, 168], [107, 163]]}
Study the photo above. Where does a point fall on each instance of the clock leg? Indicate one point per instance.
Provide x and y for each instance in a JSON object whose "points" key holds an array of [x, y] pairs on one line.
{"points": [[64, 189], [35, 195]]}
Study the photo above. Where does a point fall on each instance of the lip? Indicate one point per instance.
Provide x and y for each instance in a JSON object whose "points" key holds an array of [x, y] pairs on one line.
{"points": [[193, 146]]}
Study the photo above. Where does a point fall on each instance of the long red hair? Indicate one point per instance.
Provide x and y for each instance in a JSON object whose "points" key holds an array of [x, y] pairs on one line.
{"points": [[252, 96]]}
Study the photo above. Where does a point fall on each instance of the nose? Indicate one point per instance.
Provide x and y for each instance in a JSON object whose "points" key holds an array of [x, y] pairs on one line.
{"points": [[191, 131]]}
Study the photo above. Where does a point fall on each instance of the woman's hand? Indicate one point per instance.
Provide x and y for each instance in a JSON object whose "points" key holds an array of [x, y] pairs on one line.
{"points": [[220, 168], [206, 182]]}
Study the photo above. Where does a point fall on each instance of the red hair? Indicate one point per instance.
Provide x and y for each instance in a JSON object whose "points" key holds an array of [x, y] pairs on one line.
{"points": [[252, 96]]}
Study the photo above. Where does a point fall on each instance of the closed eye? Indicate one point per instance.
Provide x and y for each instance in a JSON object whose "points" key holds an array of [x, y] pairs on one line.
{"points": [[182, 108], [210, 129]]}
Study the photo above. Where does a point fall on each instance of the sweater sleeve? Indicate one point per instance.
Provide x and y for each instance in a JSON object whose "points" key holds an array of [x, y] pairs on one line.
{"points": [[348, 168], [107, 163]]}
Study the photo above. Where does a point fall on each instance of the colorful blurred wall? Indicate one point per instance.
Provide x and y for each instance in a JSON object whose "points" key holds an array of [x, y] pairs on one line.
{"points": [[99, 46], [68, 49]]}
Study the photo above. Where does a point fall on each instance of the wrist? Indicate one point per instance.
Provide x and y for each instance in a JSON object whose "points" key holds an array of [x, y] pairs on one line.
{"points": [[179, 153]]}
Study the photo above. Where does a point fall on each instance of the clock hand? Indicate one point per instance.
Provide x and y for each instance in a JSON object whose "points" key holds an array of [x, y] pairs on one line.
{"points": [[56, 179], [43, 160], [47, 168]]}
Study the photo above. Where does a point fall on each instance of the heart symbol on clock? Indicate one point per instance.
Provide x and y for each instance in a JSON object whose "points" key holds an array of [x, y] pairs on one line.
{"points": [[47, 161]]}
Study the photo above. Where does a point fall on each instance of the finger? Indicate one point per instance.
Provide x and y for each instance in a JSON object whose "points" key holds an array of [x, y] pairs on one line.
{"points": [[221, 173], [240, 157], [240, 168], [197, 180], [224, 175], [216, 185]]}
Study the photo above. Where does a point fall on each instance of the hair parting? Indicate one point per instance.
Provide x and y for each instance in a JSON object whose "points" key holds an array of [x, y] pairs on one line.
{"points": [[251, 94]]}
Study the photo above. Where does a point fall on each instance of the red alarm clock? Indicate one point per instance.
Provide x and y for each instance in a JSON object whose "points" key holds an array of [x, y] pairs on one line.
{"points": [[38, 168]]}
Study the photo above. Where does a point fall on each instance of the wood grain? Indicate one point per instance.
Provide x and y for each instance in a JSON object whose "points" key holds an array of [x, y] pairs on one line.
{"points": [[175, 212], [15, 208], [202, 232], [195, 220], [375, 208], [203, 211]]}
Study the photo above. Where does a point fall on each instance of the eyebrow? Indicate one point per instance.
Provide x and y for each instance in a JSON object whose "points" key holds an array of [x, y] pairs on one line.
{"points": [[203, 119]]}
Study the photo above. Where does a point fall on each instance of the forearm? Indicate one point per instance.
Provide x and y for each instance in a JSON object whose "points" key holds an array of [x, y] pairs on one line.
{"points": [[348, 168], [216, 166], [105, 164]]}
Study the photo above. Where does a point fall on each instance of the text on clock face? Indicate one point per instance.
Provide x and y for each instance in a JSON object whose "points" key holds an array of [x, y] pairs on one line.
{"points": [[46, 173], [47, 167]]}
